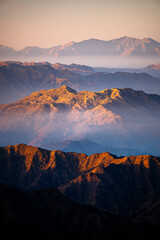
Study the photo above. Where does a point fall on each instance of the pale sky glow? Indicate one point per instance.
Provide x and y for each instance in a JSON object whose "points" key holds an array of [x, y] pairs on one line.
{"points": [[46, 23]]}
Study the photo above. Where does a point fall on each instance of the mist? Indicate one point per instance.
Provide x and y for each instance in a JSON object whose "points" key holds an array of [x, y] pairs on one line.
{"points": [[109, 61], [93, 61], [108, 130]]}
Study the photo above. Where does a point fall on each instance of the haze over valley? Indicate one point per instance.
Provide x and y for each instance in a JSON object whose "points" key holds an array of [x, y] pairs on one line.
{"points": [[121, 52], [120, 118]]}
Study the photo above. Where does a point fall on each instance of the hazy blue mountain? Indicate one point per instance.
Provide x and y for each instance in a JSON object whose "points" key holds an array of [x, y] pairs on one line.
{"points": [[124, 46], [153, 70], [7, 52], [19, 79], [89, 147]]}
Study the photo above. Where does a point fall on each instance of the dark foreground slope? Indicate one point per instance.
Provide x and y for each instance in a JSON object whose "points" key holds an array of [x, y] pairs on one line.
{"points": [[47, 214], [118, 185]]}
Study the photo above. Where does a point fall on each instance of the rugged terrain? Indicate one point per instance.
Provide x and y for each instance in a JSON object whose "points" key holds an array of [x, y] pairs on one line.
{"points": [[18, 80], [112, 117], [119, 185]]}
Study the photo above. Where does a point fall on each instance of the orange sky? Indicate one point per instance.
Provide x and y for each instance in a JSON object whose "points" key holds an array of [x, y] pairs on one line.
{"points": [[46, 23]]}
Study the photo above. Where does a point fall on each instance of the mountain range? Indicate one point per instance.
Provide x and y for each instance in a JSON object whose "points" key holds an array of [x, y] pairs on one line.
{"points": [[18, 80], [89, 147], [79, 155], [153, 70], [125, 46], [118, 185], [104, 184], [117, 118]]}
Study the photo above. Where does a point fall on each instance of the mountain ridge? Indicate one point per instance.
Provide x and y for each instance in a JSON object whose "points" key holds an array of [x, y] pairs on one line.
{"points": [[112, 116], [106, 96], [123, 46], [115, 184], [18, 80], [89, 147]]}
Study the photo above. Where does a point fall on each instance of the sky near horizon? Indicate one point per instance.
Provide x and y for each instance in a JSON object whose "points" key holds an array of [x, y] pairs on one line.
{"points": [[46, 23]]}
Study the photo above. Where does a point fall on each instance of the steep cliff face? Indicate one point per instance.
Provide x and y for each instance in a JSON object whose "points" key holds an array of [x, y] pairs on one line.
{"points": [[103, 180]]}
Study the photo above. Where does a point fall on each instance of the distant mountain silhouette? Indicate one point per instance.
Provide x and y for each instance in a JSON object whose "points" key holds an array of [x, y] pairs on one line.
{"points": [[89, 147], [153, 70], [7, 52], [124, 46]]}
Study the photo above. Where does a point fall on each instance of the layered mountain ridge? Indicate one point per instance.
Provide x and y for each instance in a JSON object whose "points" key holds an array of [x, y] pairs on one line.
{"points": [[89, 147], [47, 193], [18, 80], [115, 184]]}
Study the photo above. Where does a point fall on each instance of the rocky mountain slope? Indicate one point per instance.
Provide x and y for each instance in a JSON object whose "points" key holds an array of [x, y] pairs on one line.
{"points": [[115, 184], [115, 117]]}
